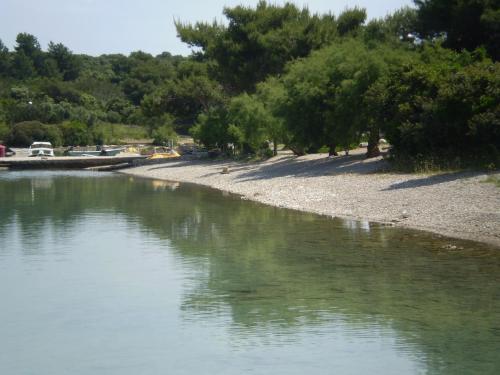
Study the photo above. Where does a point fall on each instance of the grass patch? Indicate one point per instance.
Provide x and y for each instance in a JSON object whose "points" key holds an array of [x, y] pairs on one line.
{"points": [[433, 164], [492, 180], [120, 133], [424, 166]]}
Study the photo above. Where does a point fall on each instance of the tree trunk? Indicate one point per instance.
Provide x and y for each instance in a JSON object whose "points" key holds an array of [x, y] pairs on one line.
{"points": [[275, 147], [373, 150], [297, 150], [332, 151]]}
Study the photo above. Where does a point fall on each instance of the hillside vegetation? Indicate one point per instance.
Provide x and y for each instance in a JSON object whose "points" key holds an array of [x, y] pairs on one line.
{"points": [[425, 78]]}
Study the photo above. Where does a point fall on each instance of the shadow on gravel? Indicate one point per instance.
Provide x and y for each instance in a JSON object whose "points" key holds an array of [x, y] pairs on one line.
{"points": [[432, 180], [176, 163], [287, 166], [293, 166]]}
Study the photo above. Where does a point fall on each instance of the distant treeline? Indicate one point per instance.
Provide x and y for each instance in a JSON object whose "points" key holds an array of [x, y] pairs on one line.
{"points": [[427, 78]]}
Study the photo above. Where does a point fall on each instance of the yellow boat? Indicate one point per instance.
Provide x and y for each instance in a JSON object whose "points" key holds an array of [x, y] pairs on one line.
{"points": [[164, 155]]}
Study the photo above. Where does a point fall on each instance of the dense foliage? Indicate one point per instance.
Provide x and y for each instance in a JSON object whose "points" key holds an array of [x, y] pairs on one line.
{"points": [[425, 78], [95, 100], [466, 24], [393, 77]]}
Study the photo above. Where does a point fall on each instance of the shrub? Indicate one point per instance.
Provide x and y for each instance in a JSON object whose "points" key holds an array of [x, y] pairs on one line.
{"points": [[76, 133], [106, 133], [4, 131], [23, 134], [163, 135], [446, 113]]}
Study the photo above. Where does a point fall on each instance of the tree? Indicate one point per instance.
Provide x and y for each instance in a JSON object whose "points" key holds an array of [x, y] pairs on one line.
{"points": [[272, 94], [351, 20], [437, 109], [257, 42], [4, 59], [164, 133], [22, 66], [324, 102], [75, 133], [467, 24], [24, 134], [211, 129], [67, 63], [29, 53], [186, 96], [28, 44], [251, 121], [303, 110], [402, 22]]}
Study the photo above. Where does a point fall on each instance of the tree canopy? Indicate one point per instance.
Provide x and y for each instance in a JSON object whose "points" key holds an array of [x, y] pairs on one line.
{"points": [[425, 78], [466, 24]]}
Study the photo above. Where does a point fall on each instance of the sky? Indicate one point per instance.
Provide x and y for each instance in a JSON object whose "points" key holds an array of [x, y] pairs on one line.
{"points": [[96, 27]]}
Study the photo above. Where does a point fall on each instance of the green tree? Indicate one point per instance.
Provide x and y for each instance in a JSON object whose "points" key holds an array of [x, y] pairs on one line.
{"points": [[29, 58], [402, 22], [4, 131], [272, 95], [22, 66], [211, 129], [75, 133], [252, 121], [28, 44], [467, 24], [257, 42], [350, 21], [67, 64], [184, 97], [24, 134], [324, 103], [437, 109], [164, 133], [5, 62]]}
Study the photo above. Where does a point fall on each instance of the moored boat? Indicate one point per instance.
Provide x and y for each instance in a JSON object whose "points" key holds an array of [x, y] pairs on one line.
{"points": [[83, 153], [112, 151], [163, 153], [98, 151], [41, 149]]}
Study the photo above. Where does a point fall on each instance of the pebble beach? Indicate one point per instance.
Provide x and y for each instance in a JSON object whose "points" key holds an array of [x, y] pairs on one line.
{"points": [[463, 205]]}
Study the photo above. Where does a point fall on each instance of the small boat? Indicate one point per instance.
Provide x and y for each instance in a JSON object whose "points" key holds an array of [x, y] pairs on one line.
{"points": [[41, 149], [84, 153], [96, 152], [160, 153], [112, 151]]}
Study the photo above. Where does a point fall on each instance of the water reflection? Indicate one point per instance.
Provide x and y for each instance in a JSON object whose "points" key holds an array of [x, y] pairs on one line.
{"points": [[267, 277]]}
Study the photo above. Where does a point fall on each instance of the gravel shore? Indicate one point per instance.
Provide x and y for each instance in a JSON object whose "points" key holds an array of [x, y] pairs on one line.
{"points": [[459, 205]]}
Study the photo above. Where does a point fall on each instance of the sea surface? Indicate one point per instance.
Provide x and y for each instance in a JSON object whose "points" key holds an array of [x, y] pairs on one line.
{"points": [[108, 274]]}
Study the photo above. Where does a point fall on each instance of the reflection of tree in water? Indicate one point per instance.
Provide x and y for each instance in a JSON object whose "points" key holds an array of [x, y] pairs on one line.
{"points": [[275, 270], [282, 270]]}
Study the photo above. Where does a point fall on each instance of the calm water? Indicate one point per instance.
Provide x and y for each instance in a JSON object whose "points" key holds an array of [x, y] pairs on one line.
{"points": [[105, 274]]}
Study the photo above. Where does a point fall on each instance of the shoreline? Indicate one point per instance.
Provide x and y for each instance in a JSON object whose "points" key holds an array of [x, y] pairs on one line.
{"points": [[456, 204]]}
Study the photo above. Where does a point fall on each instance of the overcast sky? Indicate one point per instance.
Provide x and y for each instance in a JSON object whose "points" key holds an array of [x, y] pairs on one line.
{"points": [[120, 26]]}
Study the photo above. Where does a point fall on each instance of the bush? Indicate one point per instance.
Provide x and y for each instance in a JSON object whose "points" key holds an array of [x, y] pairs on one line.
{"points": [[76, 133], [163, 135], [444, 113], [113, 117], [25, 133], [105, 133], [4, 131]]}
